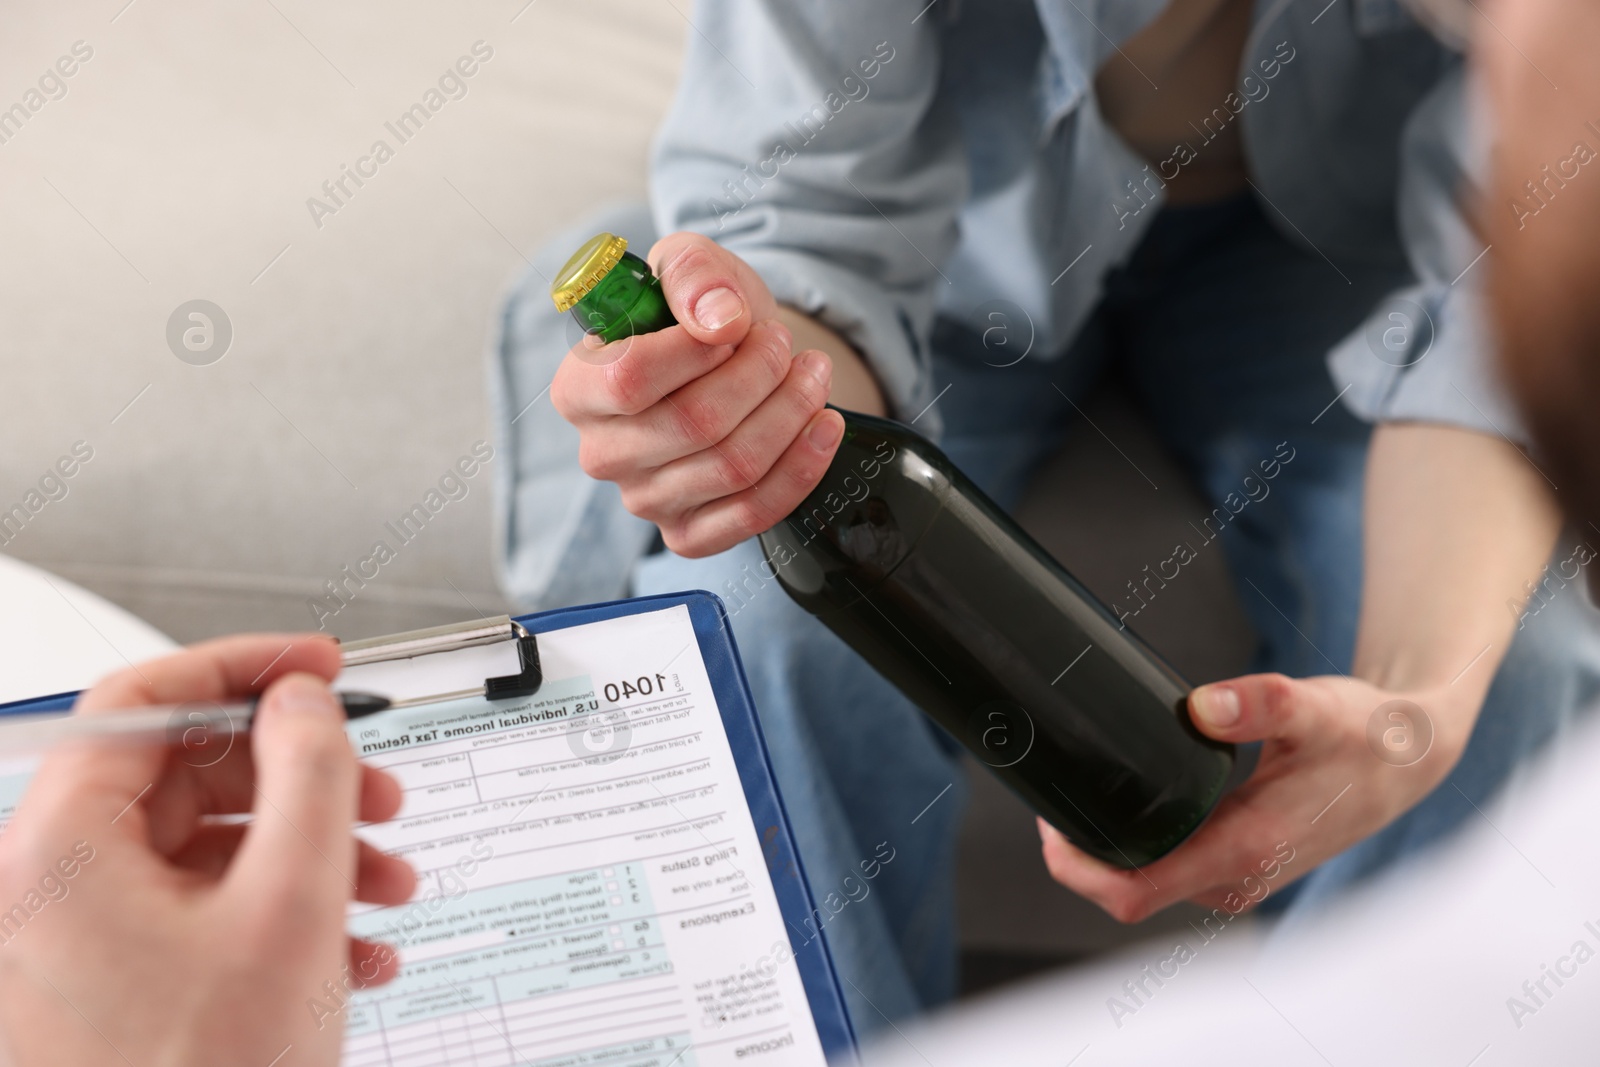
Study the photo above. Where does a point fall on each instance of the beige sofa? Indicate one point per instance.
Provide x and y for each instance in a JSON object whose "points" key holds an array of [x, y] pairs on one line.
{"points": [[227, 153]]}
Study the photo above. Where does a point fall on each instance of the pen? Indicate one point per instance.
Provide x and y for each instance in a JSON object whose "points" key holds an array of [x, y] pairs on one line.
{"points": [[190, 725]]}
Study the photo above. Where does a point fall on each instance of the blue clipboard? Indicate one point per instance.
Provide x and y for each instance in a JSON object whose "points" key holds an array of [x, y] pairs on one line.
{"points": [[709, 618]]}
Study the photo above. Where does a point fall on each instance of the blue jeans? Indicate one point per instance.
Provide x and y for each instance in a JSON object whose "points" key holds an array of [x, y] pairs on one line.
{"points": [[1219, 328]]}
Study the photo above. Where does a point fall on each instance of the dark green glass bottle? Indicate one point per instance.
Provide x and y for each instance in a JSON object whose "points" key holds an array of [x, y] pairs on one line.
{"points": [[903, 557]]}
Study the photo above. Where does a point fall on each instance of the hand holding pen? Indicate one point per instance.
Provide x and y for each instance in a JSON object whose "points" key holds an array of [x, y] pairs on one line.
{"points": [[209, 935]]}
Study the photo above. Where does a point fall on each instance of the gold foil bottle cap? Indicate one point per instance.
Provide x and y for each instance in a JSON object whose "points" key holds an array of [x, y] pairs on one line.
{"points": [[585, 269]]}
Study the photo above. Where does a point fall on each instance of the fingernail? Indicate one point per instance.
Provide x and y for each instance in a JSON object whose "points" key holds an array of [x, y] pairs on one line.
{"points": [[717, 308], [819, 366], [1217, 706], [825, 432], [303, 693]]}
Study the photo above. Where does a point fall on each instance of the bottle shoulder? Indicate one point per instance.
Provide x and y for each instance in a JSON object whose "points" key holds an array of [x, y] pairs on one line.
{"points": [[891, 442], [883, 490]]}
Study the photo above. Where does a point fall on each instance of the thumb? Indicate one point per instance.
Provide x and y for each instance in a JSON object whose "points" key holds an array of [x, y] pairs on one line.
{"points": [[299, 853], [1255, 707], [713, 293]]}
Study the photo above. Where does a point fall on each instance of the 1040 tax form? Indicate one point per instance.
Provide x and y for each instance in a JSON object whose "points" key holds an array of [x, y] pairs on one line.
{"points": [[592, 885]]}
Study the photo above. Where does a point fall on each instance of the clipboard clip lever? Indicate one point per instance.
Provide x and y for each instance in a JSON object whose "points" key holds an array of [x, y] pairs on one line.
{"points": [[527, 680], [453, 637]]}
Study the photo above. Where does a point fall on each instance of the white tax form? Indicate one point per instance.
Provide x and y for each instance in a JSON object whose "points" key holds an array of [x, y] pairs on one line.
{"points": [[592, 886]]}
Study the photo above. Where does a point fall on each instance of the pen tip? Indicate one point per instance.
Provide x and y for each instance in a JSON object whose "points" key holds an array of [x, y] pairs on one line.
{"points": [[359, 705]]}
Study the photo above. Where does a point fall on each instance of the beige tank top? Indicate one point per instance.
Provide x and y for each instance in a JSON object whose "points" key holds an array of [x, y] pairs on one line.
{"points": [[1170, 86]]}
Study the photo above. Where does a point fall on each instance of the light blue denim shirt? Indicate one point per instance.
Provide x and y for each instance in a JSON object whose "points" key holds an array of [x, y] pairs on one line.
{"points": [[881, 163]]}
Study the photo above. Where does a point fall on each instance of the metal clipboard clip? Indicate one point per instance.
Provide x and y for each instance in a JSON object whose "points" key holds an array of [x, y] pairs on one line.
{"points": [[442, 663]]}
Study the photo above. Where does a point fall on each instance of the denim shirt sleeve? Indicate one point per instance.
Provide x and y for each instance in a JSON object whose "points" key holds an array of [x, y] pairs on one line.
{"points": [[1426, 354], [809, 138]]}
